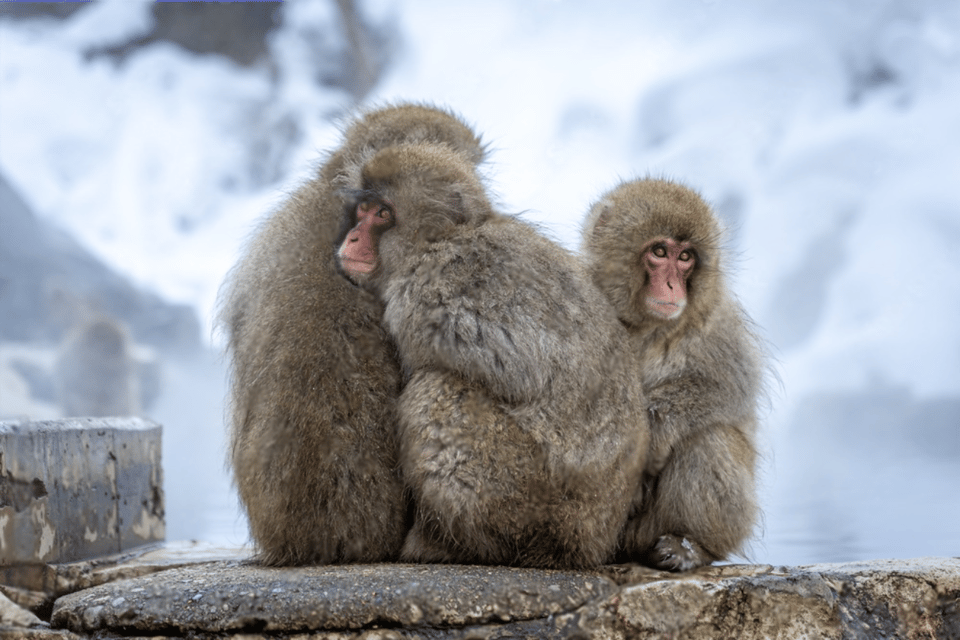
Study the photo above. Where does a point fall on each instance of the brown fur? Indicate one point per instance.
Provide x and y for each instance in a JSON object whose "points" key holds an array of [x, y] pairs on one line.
{"points": [[702, 374], [522, 437], [314, 378]]}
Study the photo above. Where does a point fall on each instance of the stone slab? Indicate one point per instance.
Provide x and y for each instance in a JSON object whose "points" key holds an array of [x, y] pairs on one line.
{"points": [[78, 488], [908, 599], [224, 597]]}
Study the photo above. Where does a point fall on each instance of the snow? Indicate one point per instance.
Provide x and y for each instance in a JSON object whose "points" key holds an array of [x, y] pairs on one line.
{"points": [[825, 132]]}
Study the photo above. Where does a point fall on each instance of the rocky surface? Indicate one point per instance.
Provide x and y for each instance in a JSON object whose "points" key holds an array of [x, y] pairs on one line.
{"points": [[234, 597], [12, 615], [869, 600], [882, 599]]}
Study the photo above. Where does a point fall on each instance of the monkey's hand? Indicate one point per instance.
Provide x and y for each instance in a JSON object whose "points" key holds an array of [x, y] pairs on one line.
{"points": [[679, 407]]}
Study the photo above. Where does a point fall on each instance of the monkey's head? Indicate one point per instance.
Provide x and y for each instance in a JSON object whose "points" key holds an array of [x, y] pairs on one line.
{"points": [[413, 195], [404, 123], [653, 248], [411, 123]]}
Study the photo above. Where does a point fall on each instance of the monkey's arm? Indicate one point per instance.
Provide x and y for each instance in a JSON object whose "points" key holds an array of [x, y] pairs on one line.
{"points": [[678, 408], [486, 310], [718, 384]]}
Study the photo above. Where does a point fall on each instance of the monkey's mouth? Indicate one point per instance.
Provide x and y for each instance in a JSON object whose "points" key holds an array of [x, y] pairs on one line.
{"points": [[358, 266], [666, 310]]}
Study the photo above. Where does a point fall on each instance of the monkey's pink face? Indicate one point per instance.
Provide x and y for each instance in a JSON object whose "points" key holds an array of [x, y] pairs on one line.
{"points": [[669, 264], [358, 253]]}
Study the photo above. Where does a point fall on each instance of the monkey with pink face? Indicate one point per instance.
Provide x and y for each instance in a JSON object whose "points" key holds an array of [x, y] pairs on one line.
{"points": [[522, 434], [653, 247], [315, 379]]}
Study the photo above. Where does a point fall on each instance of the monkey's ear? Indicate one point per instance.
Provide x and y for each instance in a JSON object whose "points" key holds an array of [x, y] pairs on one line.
{"points": [[451, 211], [601, 214]]}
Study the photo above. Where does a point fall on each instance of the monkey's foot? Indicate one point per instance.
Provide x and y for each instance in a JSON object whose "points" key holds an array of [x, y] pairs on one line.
{"points": [[419, 547], [674, 553]]}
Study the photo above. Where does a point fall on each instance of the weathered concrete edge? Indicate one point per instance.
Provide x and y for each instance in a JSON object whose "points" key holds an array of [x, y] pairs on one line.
{"points": [[115, 463], [132, 423], [853, 611]]}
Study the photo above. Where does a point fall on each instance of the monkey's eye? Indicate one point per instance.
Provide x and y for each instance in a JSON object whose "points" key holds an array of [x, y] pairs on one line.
{"points": [[385, 213], [687, 255], [659, 250]]}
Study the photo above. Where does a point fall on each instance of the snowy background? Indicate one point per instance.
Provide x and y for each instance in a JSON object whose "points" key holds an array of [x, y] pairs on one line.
{"points": [[825, 132]]}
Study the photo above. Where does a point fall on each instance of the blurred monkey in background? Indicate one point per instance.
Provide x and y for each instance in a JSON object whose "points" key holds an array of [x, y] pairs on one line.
{"points": [[95, 372]]}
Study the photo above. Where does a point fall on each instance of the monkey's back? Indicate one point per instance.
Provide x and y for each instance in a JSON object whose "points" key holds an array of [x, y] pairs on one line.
{"points": [[518, 366], [315, 377], [314, 390]]}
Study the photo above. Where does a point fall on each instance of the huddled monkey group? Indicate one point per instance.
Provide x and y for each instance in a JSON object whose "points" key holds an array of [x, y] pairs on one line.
{"points": [[420, 377]]}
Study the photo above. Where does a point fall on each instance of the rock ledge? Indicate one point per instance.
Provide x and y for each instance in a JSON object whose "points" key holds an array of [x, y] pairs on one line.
{"points": [[881, 599]]}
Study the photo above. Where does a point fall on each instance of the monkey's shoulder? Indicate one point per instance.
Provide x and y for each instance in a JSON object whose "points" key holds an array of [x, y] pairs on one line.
{"points": [[502, 258]]}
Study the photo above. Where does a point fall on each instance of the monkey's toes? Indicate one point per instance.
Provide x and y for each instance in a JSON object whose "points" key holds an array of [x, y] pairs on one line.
{"points": [[674, 553]]}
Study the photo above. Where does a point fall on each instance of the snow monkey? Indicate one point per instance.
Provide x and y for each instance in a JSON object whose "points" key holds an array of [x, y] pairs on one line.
{"points": [[522, 435], [95, 372], [653, 248], [315, 379]]}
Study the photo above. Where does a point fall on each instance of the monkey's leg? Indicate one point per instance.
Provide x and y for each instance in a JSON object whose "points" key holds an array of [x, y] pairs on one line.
{"points": [[316, 497], [472, 471], [701, 507]]}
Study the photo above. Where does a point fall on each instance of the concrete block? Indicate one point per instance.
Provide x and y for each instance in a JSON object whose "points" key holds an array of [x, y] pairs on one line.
{"points": [[78, 488]]}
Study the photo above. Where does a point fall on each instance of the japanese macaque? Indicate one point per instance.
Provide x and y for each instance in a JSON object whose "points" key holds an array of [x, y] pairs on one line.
{"points": [[653, 247], [315, 379], [523, 436], [95, 373]]}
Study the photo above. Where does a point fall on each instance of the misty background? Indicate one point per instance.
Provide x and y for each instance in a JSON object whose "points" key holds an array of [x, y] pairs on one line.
{"points": [[141, 144]]}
